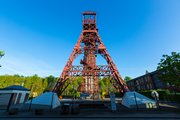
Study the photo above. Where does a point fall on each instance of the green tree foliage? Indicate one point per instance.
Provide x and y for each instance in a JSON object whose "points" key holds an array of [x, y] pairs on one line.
{"points": [[127, 78], [40, 85], [50, 82], [169, 68], [73, 87], [106, 85], [35, 83], [2, 53]]}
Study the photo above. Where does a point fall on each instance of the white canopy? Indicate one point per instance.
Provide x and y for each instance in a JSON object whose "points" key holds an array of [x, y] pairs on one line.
{"points": [[134, 100], [49, 99]]}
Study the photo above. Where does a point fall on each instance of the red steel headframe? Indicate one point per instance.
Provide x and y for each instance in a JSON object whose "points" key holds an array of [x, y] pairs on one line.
{"points": [[89, 44]]}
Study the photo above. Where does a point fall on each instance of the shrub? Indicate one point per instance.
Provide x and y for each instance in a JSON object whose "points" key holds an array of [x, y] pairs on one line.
{"points": [[118, 94], [162, 93], [173, 98]]}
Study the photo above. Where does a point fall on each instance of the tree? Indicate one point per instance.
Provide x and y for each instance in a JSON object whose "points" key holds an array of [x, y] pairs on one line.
{"points": [[127, 78], [35, 83], [2, 53], [169, 69], [51, 81], [73, 87], [106, 85]]}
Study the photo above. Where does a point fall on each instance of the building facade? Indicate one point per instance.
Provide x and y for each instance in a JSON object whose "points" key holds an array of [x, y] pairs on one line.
{"points": [[149, 81], [13, 95]]}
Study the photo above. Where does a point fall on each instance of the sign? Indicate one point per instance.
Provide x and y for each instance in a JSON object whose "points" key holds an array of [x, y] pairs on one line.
{"points": [[113, 103]]}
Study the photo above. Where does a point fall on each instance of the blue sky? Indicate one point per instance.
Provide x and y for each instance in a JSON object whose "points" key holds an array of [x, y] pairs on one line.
{"points": [[39, 35]]}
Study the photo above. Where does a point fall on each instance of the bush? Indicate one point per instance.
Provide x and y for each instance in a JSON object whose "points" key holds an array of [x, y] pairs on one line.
{"points": [[67, 96], [173, 98], [162, 93], [118, 94]]}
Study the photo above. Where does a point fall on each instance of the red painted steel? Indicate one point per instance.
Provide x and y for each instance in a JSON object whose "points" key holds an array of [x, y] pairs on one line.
{"points": [[89, 44]]}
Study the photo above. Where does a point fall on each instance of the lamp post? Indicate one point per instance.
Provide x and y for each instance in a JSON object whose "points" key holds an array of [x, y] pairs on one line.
{"points": [[155, 95], [2, 53]]}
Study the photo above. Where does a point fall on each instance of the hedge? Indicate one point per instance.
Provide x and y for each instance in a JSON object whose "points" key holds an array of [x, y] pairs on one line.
{"points": [[164, 95], [161, 93]]}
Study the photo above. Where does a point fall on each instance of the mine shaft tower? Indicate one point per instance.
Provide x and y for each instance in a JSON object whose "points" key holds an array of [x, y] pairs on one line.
{"points": [[89, 44]]}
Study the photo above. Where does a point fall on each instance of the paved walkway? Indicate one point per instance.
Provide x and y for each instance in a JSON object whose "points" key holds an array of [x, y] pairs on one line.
{"points": [[153, 114], [167, 111]]}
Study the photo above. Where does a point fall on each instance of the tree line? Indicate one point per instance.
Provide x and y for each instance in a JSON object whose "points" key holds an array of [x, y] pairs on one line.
{"points": [[39, 84], [34, 83]]}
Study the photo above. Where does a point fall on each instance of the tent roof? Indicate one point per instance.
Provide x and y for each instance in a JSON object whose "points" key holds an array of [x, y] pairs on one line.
{"points": [[133, 98], [46, 99], [15, 87]]}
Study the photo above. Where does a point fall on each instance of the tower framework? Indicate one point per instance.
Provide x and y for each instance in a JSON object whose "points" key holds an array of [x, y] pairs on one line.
{"points": [[90, 45]]}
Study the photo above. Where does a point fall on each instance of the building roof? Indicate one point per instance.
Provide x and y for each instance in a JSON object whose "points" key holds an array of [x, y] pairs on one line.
{"points": [[15, 87], [150, 73]]}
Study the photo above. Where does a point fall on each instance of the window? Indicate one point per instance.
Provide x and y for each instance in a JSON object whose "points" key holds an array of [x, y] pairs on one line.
{"points": [[19, 98], [14, 98], [26, 97]]}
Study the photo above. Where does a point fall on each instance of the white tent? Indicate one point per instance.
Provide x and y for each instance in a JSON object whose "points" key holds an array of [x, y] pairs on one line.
{"points": [[48, 100], [134, 100]]}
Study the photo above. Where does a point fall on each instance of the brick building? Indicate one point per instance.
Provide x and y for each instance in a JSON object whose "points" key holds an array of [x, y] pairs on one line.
{"points": [[148, 81]]}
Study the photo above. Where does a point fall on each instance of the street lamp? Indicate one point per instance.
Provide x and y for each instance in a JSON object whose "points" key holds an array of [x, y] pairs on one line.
{"points": [[2, 53]]}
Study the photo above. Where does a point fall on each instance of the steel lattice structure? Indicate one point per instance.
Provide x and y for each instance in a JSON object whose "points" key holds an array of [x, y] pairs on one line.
{"points": [[89, 44]]}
